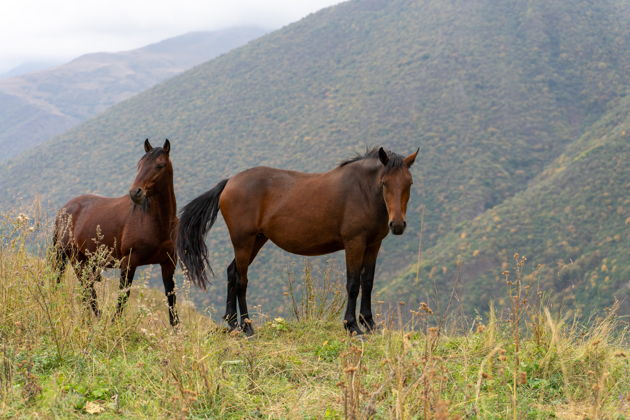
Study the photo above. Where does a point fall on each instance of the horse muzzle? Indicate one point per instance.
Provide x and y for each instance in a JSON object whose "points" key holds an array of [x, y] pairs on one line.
{"points": [[138, 196], [397, 228]]}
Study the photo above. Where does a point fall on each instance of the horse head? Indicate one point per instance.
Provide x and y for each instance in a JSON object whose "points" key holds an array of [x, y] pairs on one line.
{"points": [[154, 172], [395, 182]]}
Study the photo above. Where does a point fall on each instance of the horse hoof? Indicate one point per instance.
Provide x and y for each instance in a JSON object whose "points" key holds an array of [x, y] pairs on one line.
{"points": [[232, 327], [173, 318], [353, 330], [370, 328], [247, 328]]}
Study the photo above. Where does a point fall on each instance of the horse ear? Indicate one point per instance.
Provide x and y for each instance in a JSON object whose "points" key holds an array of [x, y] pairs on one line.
{"points": [[382, 155], [167, 146], [147, 146], [409, 160]]}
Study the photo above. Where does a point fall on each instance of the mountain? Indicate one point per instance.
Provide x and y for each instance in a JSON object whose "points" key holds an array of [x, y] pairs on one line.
{"points": [[35, 107], [28, 67], [492, 92], [573, 222]]}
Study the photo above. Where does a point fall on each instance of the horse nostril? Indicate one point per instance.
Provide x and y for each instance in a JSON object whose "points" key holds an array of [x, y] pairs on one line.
{"points": [[137, 193], [404, 224], [391, 225]]}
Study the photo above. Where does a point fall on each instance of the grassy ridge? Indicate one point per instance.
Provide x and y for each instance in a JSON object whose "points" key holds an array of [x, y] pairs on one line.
{"points": [[57, 361]]}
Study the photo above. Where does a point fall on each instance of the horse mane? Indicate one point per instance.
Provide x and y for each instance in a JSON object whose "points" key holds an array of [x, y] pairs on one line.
{"points": [[396, 161]]}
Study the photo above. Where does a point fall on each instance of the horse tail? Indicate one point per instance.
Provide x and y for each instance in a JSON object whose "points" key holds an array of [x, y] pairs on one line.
{"points": [[195, 221]]}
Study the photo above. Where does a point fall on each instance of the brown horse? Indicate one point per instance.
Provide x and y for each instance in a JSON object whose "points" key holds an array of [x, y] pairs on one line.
{"points": [[136, 229], [352, 207]]}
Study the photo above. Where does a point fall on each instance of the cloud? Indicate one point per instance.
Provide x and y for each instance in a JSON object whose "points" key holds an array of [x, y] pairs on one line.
{"points": [[35, 30]]}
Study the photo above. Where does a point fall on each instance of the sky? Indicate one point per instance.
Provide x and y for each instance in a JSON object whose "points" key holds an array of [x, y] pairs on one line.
{"points": [[59, 30]]}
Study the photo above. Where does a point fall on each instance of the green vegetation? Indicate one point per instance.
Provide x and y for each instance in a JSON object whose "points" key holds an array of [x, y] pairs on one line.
{"points": [[573, 221], [56, 360], [496, 94]]}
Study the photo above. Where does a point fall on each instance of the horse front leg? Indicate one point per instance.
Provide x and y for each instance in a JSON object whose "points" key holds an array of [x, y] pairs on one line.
{"points": [[127, 271], [168, 270], [354, 263], [367, 282]]}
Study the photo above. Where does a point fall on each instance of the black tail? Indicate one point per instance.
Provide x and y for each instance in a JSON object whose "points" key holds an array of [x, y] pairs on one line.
{"points": [[195, 221]]}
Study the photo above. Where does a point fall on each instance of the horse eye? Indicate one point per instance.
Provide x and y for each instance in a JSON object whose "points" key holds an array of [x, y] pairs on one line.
{"points": [[161, 166]]}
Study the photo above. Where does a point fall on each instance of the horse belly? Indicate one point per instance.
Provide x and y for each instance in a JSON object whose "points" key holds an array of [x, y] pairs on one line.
{"points": [[304, 242]]}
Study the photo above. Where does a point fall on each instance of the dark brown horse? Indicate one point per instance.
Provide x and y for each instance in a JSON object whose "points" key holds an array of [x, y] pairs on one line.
{"points": [[352, 207], [136, 229]]}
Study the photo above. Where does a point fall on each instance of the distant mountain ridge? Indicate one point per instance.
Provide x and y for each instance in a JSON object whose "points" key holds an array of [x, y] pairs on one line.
{"points": [[34, 107], [495, 93], [28, 67]]}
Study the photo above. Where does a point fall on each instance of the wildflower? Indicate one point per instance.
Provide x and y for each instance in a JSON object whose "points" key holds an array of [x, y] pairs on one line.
{"points": [[424, 307]]}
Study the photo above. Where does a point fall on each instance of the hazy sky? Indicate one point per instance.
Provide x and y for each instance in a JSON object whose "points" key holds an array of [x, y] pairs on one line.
{"points": [[53, 30]]}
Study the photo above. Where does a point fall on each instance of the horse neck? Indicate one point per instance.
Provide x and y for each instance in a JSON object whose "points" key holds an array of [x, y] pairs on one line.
{"points": [[365, 174], [164, 205]]}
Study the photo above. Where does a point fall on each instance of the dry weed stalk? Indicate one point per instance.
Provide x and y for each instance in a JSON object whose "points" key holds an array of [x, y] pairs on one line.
{"points": [[518, 302], [351, 364], [320, 300]]}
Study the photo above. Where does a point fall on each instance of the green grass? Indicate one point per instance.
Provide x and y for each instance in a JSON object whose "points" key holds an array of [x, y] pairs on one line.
{"points": [[57, 361]]}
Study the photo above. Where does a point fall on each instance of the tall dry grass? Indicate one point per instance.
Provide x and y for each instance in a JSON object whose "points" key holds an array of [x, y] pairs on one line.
{"points": [[58, 360]]}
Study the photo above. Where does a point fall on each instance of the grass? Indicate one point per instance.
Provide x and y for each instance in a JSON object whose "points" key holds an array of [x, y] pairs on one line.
{"points": [[57, 360]]}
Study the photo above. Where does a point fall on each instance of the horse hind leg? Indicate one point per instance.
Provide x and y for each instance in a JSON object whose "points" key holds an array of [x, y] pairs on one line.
{"points": [[230, 307], [62, 248], [245, 253], [88, 276], [59, 262]]}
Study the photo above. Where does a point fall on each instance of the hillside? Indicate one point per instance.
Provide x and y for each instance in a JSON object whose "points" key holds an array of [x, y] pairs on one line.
{"points": [[27, 67], [492, 93], [573, 223], [58, 361], [35, 107]]}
